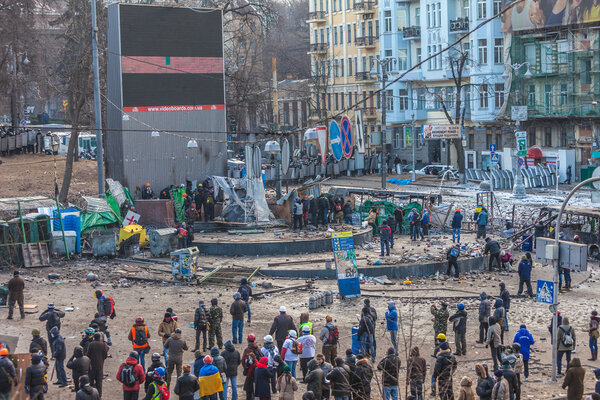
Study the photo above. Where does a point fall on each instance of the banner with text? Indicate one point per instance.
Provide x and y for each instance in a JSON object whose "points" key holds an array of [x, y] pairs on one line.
{"points": [[441, 131], [345, 264]]}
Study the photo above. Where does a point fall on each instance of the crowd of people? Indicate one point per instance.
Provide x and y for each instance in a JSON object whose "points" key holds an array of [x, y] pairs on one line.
{"points": [[21, 141], [288, 350]]}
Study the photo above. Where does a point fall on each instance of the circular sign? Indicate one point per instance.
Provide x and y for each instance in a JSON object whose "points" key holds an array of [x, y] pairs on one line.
{"points": [[347, 138], [335, 140], [521, 161], [552, 308]]}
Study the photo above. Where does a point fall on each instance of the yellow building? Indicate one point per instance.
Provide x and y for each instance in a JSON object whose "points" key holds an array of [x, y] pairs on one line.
{"points": [[344, 43]]}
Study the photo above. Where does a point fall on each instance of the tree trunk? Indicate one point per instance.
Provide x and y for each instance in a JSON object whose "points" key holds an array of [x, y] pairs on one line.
{"points": [[66, 183]]}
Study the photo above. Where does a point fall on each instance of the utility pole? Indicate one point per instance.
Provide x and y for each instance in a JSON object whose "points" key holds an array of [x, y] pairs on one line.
{"points": [[412, 133], [97, 109], [383, 127], [276, 121], [13, 90]]}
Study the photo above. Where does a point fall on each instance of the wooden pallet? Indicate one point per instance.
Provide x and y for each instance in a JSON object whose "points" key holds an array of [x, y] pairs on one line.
{"points": [[35, 255]]}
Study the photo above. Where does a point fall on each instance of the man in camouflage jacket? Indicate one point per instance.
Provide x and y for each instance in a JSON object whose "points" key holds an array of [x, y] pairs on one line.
{"points": [[215, 316]]}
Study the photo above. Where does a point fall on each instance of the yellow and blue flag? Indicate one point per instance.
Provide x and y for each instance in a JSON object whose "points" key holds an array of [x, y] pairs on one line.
{"points": [[209, 379]]}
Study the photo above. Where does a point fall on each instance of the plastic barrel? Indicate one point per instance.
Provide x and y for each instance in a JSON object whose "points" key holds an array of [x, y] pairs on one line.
{"points": [[355, 341], [312, 303], [527, 244]]}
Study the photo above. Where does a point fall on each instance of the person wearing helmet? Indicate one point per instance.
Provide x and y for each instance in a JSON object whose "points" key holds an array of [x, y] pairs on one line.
{"points": [[99, 325], [282, 324], [237, 311], [156, 363], [309, 344], [210, 381], [215, 317], [459, 326], [131, 375], [456, 225], [297, 213], [147, 192], [200, 325], [15, 294], [440, 318], [80, 364], [139, 336], [8, 374], [250, 358], [209, 206], [158, 388], [271, 353], [86, 338]]}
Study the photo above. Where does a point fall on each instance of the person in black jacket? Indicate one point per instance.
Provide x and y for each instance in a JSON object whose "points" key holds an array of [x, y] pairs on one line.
{"points": [[340, 379], [459, 321], [35, 378], [323, 208], [232, 360], [187, 384], [59, 353], [200, 318], [445, 366], [314, 210], [86, 392], [80, 364], [8, 374], [282, 324], [364, 373], [513, 382], [38, 343], [262, 378], [52, 317], [390, 369], [156, 363], [485, 383], [452, 256], [347, 210]]}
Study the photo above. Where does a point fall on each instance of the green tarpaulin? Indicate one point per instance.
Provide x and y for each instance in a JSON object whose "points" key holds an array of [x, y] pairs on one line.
{"points": [[177, 197], [96, 219], [387, 209]]}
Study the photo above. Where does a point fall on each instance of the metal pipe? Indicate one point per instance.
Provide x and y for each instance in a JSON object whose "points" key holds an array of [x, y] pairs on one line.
{"points": [[556, 262], [412, 133]]}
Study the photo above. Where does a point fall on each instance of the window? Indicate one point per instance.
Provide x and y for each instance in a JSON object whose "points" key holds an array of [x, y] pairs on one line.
{"points": [[439, 14], [342, 67], [562, 47], [428, 17], [328, 36], [481, 9], [401, 19], [418, 50], [328, 101], [403, 95], [483, 96], [429, 60], [356, 64], [349, 33], [354, 31], [335, 101], [402, 59], [341, 35], [348, 5], [548, 96], [340, 5], [350, 99], [471, 141], [388, 21], [530, 55], [333, 6], [488, 139], [342, 97], [531, 95], [547, 57], [418, 16], [371, 103], [563, 94], [376, 28], [499, 94], [350, 66], [548, 136], [563, 137], [466, 8], [389, 100], [531, 137], [335, 42], [482, 50], [498, 50], [364, 64], [322, 35], [433, 14], [497, 6], [335, 68]]}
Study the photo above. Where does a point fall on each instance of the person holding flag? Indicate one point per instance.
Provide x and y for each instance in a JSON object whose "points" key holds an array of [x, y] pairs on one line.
{"points": [[209, 379]]}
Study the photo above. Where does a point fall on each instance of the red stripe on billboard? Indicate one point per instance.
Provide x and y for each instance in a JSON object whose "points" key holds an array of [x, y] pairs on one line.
{"points": [[204, 107], [171, 65]]}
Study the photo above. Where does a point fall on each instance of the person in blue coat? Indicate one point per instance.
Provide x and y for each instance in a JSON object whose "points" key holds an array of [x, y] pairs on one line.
{"points": [[525, 339], [425, 221], [391, 317], [597, 374], [482, 221], [456, 225], [59, 353], [525, 276]]}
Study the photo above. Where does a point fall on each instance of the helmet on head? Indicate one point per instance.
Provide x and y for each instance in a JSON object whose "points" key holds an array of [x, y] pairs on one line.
{"points": [[441, 336], [139, 320], [268, 339], [98, 293], [293, 334], [208, 360], [147, 185], [159, 372], [3, 351], [89, 331], [184, 195], [306, 329], [251, 337], [155, 357]]}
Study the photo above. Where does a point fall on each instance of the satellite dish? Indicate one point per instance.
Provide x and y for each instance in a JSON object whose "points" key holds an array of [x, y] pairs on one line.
{"points": [[595, 174], [285, 156]]}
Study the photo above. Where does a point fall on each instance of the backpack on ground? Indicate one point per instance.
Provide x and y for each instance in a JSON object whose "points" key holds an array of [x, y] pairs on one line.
{"points": [[296, 347], [454, 252], [161, 392], [128, 375], [334, 335], [567, 339], [140, 336]]}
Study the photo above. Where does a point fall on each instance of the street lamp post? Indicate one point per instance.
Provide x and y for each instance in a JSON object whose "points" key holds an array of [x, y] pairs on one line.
{"points": [[54, 145], [519, 186], [384, 64]]}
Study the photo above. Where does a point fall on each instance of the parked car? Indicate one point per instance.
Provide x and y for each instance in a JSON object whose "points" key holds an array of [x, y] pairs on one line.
{"points": [[435, 169]]}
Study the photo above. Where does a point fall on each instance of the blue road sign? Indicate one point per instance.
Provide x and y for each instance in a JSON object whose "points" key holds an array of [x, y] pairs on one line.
{"points": [[229, 138], [545, 292], [23, 122], [494, 157], [492, 148], [335, 140], [521, 161]]}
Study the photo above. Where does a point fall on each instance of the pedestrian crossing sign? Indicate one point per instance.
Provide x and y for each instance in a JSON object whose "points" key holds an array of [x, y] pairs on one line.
{"points": [[545, 292]]}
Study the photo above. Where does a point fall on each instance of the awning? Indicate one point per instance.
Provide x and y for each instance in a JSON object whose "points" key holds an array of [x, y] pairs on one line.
{"points": [[535, 153]]}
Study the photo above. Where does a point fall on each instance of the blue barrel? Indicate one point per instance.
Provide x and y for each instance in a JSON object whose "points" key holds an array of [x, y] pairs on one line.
{"points": [[355, 341], [527, 243]]}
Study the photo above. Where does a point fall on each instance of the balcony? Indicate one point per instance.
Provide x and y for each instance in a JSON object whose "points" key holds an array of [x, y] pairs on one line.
{"points": [[364, 77], [316, 17], [365, 7], [366, 42], [369, 112], [411, 32], [318, 48], [459, 25]]}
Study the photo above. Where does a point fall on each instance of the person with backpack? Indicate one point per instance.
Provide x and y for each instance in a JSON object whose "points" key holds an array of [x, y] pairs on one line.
{"points": [[139, 336], [329, 336], [215, 316], [308, 343], [200, 325], [593, 332], [456, 225], [165, 330], [567, 341], [291, 350], [99, 325], [187, 384], [176, 346], [271, 352], [237, 311], [97, 352], [105, 305], [452, 256], [52, 316], [282, 324], [232, 361], [131, 375], [158, 389], [245, 290], [80, 364], [36, 383], [8, 375]]}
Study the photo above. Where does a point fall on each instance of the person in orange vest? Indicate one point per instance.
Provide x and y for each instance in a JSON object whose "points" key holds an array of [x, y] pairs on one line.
{"points": [[139, 336]]}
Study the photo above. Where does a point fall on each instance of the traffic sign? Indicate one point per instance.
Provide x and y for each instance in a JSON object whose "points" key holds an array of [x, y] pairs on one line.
{"points": [[492, 148], [521, 161], [494, 158], [23, 122], [521, 143], [545, 292], [347, 137], [335, 140]]}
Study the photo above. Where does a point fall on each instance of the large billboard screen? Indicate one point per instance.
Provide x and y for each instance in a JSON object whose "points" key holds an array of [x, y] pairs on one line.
{"points": [[538, 14]]}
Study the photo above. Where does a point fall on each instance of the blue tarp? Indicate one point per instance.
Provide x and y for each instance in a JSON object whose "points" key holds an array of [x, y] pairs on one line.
{"points": [[397, 181]]}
